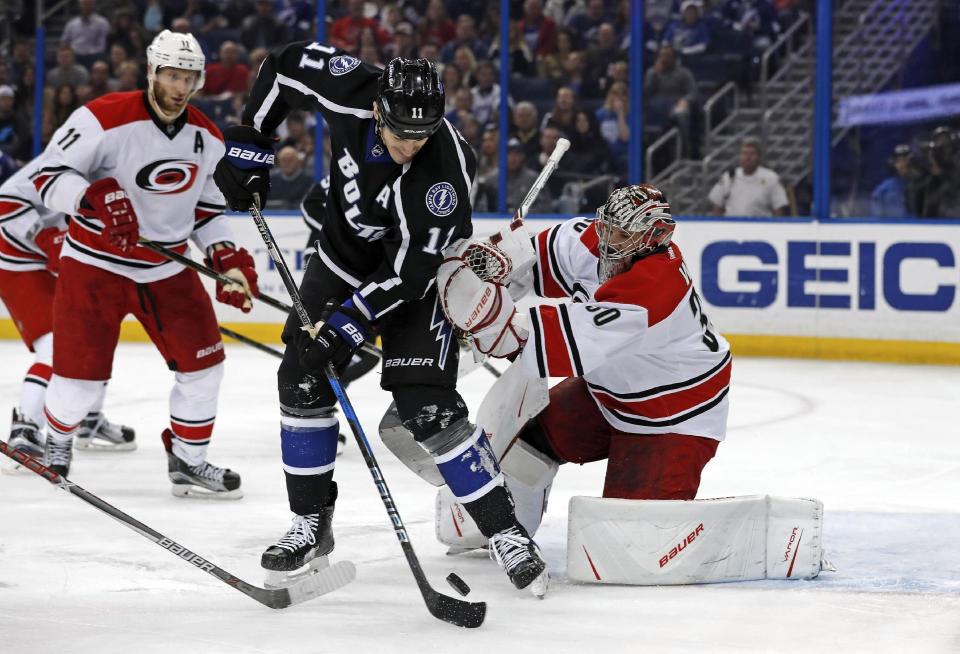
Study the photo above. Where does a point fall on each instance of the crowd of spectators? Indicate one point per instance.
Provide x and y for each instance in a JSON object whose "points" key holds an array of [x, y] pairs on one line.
{"points": [[569, 67], [926, 179]]}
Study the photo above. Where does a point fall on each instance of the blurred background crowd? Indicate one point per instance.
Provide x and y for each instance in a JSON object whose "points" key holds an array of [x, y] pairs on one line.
{"points": [[710, 85]]}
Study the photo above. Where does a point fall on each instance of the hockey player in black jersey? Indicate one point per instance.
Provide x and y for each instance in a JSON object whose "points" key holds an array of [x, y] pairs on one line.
{"points": [[400, 183]]}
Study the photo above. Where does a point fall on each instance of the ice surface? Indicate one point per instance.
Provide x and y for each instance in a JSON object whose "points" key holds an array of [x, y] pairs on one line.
{"points": [[879, 444]]}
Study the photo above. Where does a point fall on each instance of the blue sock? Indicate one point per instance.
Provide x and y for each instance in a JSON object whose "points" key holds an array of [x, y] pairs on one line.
{"points": [[471, 469]]}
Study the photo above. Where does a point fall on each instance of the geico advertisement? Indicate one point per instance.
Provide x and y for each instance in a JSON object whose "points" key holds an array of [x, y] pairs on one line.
{"points": [[832, 280], [792, 279]]}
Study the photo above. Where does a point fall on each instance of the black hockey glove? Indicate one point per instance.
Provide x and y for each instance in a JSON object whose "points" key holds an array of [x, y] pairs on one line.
{"points": [[245, 168], [343, 331]]}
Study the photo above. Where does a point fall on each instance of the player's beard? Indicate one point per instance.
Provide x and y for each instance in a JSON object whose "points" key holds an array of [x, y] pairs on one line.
{"points": [[164, 104]]}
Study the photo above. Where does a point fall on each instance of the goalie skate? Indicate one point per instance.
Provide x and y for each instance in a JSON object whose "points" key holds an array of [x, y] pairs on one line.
{"points": [[24, 437], [203, 481], [99, 434]]}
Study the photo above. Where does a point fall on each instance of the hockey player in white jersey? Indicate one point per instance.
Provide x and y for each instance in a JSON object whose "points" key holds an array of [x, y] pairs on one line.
{"points": [[140, 164], [647, 376], [30, 240]]}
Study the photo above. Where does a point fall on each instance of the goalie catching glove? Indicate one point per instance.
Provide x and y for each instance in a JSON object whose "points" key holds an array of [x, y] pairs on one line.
{"points": [[483, 309], [237, 265]]}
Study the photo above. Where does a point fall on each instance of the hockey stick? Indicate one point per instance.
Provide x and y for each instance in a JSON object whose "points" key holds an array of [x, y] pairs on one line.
{"points": [[449, 609], [208, 272], [558, 151], [246, 340], [223, 279], [324, 581]]}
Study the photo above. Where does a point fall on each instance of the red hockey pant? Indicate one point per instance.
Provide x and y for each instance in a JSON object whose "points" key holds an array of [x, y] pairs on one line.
{"points": [[28, 296], [639, 466], [176, 313]]}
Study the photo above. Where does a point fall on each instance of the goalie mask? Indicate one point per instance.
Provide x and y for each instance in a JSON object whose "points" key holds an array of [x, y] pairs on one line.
{"points": [[174, 50], [634, 221]]}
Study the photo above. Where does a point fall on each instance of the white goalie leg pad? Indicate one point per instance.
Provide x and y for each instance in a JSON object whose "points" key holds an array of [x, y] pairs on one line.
{"points": [[671, 542], [529, 476], [512, 401]]}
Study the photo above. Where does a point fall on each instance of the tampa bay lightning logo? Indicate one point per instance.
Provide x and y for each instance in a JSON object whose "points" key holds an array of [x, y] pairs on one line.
{"points": [[343, 64], [441, 199]]}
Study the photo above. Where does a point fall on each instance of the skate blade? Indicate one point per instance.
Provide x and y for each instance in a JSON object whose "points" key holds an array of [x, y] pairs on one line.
{"points": [[455, 550], [92, 445], [192, 492], [540, 585]]}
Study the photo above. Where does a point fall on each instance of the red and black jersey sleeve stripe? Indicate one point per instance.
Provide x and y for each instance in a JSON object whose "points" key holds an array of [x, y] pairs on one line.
{"points": [[12, 207], [205, 212], [548, 278], [556, 347], [44, 178]]}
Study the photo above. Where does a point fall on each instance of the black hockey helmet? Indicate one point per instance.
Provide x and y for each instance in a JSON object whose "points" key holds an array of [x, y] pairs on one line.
{"points": [[410, 98]]}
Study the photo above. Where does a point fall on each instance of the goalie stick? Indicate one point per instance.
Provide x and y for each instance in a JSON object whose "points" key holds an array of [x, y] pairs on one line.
{"points": [[558, 151], [322, 582], [443, 607]]}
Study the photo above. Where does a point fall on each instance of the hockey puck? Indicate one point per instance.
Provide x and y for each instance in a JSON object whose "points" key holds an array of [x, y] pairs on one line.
{"points": [[458, 584]]}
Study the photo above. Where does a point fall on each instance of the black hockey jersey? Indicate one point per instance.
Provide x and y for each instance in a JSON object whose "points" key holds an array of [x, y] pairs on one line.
{"points": [[385, 225]]}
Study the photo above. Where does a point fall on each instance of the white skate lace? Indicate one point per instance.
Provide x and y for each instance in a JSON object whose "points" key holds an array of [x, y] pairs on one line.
{"points": [[509, 548], [303, 532], [58, 452], [208, 471]]}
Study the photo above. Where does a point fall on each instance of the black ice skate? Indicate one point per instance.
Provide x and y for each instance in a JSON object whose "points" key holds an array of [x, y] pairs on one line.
{"points": [[205, 481], [98, 433], [516, 553], [307, 543], [57, 455], [24, 437]]}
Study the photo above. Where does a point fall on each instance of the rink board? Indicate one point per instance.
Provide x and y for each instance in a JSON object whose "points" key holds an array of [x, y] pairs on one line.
{"points": [[871, 291]]}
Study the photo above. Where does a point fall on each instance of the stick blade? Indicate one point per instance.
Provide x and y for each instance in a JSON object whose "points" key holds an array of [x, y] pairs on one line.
{"points": [[456, 611], [323, 581], [320, 582]]}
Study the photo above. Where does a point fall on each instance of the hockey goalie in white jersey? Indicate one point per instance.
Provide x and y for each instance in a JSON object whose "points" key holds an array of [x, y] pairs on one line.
{"points": [[640, 356], [646, 388]]}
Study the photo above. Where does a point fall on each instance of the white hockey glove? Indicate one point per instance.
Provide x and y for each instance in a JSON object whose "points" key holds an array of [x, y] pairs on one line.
{"points": [[483, 309]]}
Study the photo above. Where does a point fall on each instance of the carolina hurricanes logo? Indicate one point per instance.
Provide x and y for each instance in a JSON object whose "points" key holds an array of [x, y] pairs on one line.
{"points": [[167, 176]]}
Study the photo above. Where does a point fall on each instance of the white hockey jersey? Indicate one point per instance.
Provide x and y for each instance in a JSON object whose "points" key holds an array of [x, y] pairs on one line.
{"points": [[22, 217], [649, 355], [166, 170]]}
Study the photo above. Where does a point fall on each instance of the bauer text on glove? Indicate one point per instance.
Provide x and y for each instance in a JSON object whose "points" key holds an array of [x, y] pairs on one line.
{"points": [[105, 201], [244, 171]]}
